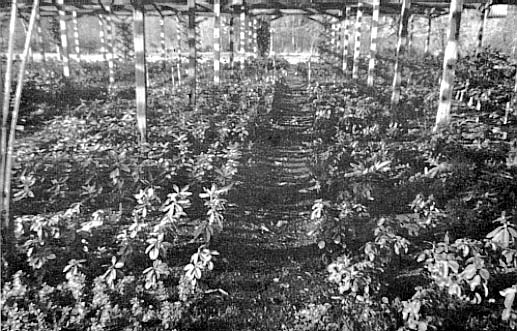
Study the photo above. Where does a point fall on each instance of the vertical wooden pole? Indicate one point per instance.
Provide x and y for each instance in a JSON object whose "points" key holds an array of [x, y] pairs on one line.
{"points": [[77, 49], [64, 38], [178, 48], [373, 41], [333, 34], [428, 37], [192, 72], [249, 37], [255, 42], [14, 120], [102, 37], [242, 35], [140, 71], [5, 114], [111, 50], [39, 33], [162, 38], [482, 28], [232, 43], [346, 40], [272, 48], [357, 44], [217, 42], [26, 30], [449, 65], [411, 27], [401, 45]]}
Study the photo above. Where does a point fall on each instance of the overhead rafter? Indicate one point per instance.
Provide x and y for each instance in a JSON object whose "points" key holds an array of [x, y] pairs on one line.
{"points": [[252, 7]]}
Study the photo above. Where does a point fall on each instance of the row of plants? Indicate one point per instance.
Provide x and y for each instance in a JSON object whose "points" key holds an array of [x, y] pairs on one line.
{"points": [[426, 222], [113, 235]]}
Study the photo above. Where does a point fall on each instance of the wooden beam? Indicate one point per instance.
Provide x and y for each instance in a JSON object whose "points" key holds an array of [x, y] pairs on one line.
{"points": [[373, 41], [401, 45], [140, 71], [64, 38], [449, 65], [217, 42], [192, 68], [357, 44], [346, 40]]}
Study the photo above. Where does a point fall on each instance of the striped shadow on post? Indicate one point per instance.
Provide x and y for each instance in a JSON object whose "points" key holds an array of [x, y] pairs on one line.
{"points": [[217, 42], [346, 40], [77, 49], [357, 43], [401, 50], [64, 38], [140, 71], [449, 65], [192, 57], [111, 49], [373, 41]]}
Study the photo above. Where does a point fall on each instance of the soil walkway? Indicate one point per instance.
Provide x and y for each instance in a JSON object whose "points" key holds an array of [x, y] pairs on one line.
{"points": [[271, 267]]}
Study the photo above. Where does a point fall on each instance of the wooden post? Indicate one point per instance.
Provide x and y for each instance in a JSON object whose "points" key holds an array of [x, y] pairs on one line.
{"points": [[249, 37], [428, 38], [5, 114], [192, 72], [410, 32], [242, 35], [178, 48], [309, 71], [26, 30], [373, 41], [346, 40], [77, 49], [64, 38], [111, 50], [333, 34], [401, 45], [14, 120], [255, 42], [357, 45], [232, 43], [162, 37], [217, 42], [449, 65], [102, 37], [39, 33], [482, 28], [271, 42], [140, 71]]}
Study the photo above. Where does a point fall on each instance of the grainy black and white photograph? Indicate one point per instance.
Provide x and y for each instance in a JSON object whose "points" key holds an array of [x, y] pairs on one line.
{"points": [[258, 165]]}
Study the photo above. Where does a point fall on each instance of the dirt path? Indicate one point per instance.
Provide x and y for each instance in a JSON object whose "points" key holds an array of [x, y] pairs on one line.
{"points": [[271, 267], [276, 179]]}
